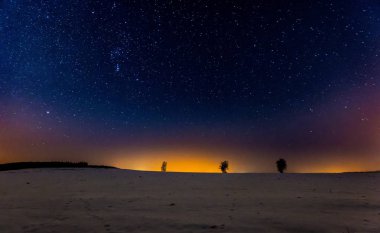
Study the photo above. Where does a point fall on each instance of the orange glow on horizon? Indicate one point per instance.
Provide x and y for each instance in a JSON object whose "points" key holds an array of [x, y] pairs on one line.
{"points": [[182, 160], [178, 161], [192, 159]]}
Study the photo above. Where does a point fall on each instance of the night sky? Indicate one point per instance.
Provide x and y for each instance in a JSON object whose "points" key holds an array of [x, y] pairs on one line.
{"points": [[133, 83]]}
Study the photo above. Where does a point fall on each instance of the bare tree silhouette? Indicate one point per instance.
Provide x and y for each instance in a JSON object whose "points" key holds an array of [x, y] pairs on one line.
{"points": [[281, 165], [223, 166], [163, 167]]}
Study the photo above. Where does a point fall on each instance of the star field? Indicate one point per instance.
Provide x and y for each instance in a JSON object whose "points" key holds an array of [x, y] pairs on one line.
{"points": [[282, 78]]}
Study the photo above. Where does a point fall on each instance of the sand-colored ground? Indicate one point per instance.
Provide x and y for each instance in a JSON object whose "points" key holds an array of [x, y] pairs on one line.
{"points": [[96, 200]]}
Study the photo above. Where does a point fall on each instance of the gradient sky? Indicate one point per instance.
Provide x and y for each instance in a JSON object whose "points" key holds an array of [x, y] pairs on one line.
{"points": [[133, 83]]}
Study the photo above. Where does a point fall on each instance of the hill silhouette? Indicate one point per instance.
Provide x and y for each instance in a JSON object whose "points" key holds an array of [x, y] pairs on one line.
{"points": [[362, 172], [27, 165]]}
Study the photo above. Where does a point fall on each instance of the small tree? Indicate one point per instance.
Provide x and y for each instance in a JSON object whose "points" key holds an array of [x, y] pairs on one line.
{"points": [[281, 165], [223, 166], [163, 167]]}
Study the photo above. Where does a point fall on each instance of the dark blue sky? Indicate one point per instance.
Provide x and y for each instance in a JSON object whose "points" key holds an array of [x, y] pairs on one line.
{"points": [[279, 76]]}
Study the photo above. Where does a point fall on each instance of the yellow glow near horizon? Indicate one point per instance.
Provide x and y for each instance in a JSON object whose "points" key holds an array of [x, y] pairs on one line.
{"points": [[196, 159], [182, 160], [178, 161]]}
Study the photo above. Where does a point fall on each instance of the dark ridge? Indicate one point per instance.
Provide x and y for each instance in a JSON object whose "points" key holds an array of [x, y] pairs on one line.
{"points": [[362, 172], [27, 165]]}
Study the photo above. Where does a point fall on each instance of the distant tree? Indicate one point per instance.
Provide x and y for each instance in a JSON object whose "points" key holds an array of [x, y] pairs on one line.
{"points": [[223, 166], [281, 165], [163, 167]]}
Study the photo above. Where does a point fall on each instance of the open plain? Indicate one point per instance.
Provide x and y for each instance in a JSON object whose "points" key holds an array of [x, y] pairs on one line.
{"points": [[113, 200]]}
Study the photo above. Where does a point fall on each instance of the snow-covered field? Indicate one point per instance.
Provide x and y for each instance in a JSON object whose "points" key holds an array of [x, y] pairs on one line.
{"points": [[97, 200]]}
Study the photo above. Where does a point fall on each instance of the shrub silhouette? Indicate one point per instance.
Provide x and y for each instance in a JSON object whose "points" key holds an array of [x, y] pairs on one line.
{"points": [[163, 167], [223, 166], [281, 165]]}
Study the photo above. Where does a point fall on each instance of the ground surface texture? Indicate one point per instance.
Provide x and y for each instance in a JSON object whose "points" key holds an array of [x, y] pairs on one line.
{"points": [[99, 200]]}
